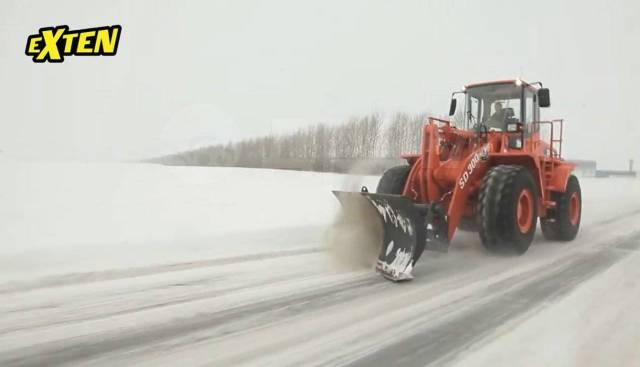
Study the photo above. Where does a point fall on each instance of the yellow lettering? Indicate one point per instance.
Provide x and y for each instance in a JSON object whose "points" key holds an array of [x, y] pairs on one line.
{"points": [[50, 45], [68, 42], [34, 45], [108, 40], [84, 42]]}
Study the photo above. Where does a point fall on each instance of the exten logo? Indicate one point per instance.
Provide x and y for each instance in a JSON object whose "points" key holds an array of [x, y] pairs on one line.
{"points": [[54, 43]]}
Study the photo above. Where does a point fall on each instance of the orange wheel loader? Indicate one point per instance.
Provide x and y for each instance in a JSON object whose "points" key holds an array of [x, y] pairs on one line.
{"points": [[493, 166]]}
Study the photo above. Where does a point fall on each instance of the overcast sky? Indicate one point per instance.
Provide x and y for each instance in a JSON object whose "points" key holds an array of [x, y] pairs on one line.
{"points": [[194, 73]]}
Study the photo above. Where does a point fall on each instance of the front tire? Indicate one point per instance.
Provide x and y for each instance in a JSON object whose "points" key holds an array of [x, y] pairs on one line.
{"points": [[507, 212], [563, 222], [393, 180]]}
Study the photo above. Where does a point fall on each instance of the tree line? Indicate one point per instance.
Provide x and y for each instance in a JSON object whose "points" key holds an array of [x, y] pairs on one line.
{"points": [[320, 147]]}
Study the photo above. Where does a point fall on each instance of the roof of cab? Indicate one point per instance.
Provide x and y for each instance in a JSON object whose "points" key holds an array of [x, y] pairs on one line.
{"points": [[507, 81]]}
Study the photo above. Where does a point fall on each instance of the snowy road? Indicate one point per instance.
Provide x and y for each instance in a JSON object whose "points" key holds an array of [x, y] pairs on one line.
{"points": [[274, 296]]}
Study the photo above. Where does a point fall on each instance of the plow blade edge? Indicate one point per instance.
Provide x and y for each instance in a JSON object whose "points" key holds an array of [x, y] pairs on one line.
{"points": [[403, 229]]}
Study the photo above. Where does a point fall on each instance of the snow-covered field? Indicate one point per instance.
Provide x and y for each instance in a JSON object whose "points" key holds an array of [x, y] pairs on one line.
{"points": [[147, 265], [84, 217]]}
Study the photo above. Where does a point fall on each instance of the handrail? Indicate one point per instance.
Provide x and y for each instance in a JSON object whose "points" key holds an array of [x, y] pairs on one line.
{"points": [[552, 140]]}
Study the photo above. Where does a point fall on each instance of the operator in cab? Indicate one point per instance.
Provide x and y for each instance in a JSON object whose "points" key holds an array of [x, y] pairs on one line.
{"points": [[496, 121]]}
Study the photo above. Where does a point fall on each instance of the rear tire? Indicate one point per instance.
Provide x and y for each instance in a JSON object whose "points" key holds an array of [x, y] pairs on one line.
{"points": [[507, 209], [393, 180], [563, 222]]}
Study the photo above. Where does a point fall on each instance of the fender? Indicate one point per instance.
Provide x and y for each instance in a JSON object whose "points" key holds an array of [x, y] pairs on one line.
{"points": [[560, 177], [524, 159]]}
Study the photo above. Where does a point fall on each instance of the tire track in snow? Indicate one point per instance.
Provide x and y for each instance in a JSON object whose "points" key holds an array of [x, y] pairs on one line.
{"points": [[199, 296], [115, 274], [258, 315], [253, 314], [442, 343], [93, 345]]}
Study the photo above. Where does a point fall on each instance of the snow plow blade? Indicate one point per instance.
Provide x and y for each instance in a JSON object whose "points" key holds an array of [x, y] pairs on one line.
{"points": [[403, 227]]}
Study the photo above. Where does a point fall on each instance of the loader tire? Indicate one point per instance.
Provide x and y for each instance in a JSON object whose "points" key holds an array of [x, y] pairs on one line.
{"points": [[563, 222], [507, 209], [393, 180]]}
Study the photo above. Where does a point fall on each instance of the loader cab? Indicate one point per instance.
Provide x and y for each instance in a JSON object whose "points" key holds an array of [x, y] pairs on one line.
{"points": [[495, 105]]}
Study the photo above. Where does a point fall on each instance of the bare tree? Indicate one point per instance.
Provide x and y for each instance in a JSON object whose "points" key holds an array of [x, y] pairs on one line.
{"points": [[315, 147]]}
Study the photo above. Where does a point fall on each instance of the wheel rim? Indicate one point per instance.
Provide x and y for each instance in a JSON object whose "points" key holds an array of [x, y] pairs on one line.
{"points": [[524, 215], [574, 209]]}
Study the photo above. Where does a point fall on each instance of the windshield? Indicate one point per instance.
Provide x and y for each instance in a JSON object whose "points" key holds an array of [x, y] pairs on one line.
{"points": [[492, 105]]}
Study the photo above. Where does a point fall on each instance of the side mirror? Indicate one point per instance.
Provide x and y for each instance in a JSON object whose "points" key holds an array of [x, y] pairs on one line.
{"points": [[452, 107], [544, 100]]}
